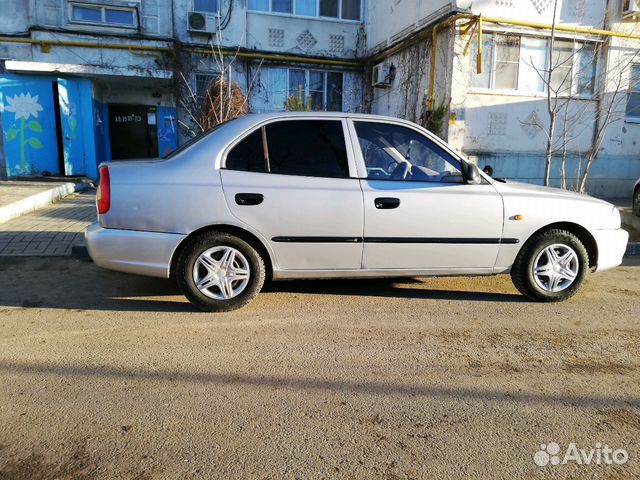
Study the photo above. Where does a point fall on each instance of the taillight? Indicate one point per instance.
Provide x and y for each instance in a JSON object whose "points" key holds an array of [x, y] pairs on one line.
{"points": [[103, 196]]}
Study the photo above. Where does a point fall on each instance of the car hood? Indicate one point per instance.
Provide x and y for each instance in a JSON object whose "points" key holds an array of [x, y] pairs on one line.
{"points": [[526, 189]]}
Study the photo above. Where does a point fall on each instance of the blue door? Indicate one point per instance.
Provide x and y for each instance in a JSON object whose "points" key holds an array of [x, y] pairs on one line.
{"points": [[76, 124]]}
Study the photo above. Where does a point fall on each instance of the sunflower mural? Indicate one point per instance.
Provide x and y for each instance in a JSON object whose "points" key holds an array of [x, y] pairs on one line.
{"points": [[26, 129]]}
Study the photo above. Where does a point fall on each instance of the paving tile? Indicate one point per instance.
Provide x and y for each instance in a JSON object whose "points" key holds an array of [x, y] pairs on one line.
{"points": [[51, 230]]}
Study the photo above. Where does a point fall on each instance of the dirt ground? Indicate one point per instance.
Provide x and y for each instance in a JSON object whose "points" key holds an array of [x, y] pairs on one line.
{"points": [[105, 375]]}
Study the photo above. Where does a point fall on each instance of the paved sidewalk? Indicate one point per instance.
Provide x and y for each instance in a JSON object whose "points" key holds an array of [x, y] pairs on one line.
{"points": [[49, 231]]}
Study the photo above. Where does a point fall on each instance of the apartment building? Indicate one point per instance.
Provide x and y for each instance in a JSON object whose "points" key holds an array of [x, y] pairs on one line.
{"points": [[492, 103], [84, 81], [89, 80]]}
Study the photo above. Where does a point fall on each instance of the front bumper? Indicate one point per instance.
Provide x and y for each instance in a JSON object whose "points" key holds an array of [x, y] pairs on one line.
{"points": [[142, 253], [611, 247]]}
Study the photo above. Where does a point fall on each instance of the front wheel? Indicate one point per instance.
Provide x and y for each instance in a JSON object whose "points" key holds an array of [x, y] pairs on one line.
{"points": [[551, 266], [219, 272]]}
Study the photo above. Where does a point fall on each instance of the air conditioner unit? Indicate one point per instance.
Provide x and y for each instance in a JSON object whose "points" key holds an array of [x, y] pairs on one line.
{"points": [[199, 22], [382, 75], [630, 8]]}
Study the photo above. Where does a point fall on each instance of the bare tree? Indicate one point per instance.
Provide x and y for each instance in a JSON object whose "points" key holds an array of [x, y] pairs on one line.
{"points": [[566, 109], [223, 99]]}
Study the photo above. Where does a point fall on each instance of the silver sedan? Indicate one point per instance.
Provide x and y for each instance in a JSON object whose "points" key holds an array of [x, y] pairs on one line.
{"points": [[325, 195]]}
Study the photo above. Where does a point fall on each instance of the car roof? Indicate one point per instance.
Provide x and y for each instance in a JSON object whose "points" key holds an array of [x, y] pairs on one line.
{"points": [[315, 114], [252, 119]]}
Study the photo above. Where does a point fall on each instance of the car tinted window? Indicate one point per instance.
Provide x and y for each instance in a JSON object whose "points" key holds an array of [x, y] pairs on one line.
{"points": [[248, 155], [394, 152], [314, 148]]}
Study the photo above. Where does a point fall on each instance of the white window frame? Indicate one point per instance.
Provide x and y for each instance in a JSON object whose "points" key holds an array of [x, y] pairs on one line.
{"points": [[317, 13], [103, 8], [516, 92]]}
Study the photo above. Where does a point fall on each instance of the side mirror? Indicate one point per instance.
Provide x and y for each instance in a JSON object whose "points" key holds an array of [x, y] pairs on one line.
{"points": [[471, 173]]}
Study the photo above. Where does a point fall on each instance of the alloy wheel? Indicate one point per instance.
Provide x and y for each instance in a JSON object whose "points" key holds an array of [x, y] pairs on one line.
{"points": [[221, 273], [556, 267]]}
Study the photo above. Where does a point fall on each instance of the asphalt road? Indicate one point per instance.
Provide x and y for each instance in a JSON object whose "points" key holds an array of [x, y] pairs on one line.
{"points": [[104, 375]]}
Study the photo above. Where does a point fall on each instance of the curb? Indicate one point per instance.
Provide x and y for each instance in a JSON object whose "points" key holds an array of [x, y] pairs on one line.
{"points": [[39, 200], [80, 252]]}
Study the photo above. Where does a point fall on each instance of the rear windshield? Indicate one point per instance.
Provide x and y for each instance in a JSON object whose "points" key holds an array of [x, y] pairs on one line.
{"points": [[193, 140]]}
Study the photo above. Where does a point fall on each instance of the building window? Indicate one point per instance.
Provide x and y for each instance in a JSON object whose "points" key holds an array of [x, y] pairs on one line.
{"points": [[519, 63], [324, 89], [507, 53], [205, 6], [202, 82], [340, 9], [103, 15], [633, 98]]}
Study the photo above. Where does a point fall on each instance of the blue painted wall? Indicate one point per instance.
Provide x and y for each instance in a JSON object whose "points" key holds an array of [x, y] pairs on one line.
{"points": [[28, 124], [100, 132], [167, 130]]}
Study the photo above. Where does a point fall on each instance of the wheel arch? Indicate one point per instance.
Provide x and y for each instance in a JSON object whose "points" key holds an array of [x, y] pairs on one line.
{"points": [[246, 235], [579, 231]]}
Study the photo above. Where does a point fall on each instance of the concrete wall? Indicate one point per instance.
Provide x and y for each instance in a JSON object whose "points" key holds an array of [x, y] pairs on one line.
{"points": [[586, 13], [14, 16], [388, 21]]}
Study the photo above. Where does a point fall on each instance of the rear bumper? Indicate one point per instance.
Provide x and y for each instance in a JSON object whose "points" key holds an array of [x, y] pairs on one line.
{"points": [[611, 247], [142, 253]]}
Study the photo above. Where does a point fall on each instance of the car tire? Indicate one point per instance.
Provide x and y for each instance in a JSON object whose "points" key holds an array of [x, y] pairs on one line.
{"points": [[220, 272], [551, 266], [636, 202]]}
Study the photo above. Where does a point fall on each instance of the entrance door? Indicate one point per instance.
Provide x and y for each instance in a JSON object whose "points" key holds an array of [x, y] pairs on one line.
{"points": [[73, 142], [133, 131], [418, 211]]}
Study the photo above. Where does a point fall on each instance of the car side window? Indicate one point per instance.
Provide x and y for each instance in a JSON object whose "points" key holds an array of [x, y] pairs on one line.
{"points": [[394, 152], [314, 148], [248, 155]]}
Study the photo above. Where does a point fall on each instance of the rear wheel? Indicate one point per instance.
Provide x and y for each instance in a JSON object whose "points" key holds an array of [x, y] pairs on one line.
{"points": [[219, 272], [551, 266]]}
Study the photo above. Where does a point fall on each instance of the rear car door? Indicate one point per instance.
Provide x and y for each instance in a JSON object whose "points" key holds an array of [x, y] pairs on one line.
{"points": [[419, 212], [294, 181]]}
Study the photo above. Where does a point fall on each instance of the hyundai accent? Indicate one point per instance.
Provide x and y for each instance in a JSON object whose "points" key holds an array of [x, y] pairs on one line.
{"points": [[330, 195]]}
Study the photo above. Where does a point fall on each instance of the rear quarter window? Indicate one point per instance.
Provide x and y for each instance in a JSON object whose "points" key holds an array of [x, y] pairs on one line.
{"points": [[248, 155]]}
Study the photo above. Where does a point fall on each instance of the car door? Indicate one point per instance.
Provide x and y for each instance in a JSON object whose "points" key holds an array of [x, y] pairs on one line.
{"points": [[419, 212], [295, 182]]}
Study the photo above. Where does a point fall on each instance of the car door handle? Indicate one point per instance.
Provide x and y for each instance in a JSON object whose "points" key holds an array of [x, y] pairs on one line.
{"points": [[387, 203], [247, 199]]}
